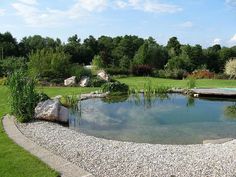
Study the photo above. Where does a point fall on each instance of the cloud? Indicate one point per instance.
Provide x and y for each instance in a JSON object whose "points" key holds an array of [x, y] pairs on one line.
{"points": [[231, 2], [2, 12], [216, 41], [91, 5], [148, 6], [29, 2], [33, 16], [233, 39], [187, 24]]}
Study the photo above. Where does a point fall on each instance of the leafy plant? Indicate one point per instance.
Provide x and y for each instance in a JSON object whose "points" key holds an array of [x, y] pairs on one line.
{"points": [[115, 87], [96, 82], [23, 96]]}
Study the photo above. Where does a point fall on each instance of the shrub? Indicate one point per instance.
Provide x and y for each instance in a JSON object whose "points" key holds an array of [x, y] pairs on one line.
{"points": [[11, 64], [171, 74], [49, 63], [230, 68], [98, 62], [202, 74], [117, 71], [115, 87], [80, 71], [142, 70], [96, 82], [23, 96], [221, 76]]}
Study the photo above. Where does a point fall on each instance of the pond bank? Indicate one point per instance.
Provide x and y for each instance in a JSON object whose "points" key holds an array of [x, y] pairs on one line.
{"points": [[103, 157]]}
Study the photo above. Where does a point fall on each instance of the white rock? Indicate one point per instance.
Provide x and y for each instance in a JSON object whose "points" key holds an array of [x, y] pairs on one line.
{"points": [[47, 110], [103, 75], [70, 81], [84, 82], [51, 110]]}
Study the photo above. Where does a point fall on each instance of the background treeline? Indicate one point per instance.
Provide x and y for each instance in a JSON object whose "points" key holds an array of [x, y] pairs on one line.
{"points": [[47, 57]]}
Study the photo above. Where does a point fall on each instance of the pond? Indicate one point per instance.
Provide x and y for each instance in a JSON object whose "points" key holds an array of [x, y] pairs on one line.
{"points": [[168, 119]]}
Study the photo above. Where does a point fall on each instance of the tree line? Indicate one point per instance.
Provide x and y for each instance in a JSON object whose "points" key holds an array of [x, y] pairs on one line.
{"points": [[124, 52]]}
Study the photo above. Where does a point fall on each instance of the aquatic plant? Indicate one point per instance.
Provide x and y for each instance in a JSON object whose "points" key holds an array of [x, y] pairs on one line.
{"points": [[70, 101], [191, 82], [23, 98]]}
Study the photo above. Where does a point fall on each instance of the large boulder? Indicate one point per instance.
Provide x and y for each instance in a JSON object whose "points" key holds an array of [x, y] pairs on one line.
{"points": [[51, 110], [70, 81], [103, 75], [84, 82]]}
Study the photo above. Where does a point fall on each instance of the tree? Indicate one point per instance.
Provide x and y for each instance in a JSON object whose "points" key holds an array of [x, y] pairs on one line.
{"points": [[173, 46], [8, 45]]}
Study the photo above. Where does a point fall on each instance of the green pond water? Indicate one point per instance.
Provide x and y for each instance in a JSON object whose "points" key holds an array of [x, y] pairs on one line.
{"points": [[172, 119]]}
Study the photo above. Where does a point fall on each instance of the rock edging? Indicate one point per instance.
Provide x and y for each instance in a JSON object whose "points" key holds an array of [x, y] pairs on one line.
{"points": [[66, 168]]}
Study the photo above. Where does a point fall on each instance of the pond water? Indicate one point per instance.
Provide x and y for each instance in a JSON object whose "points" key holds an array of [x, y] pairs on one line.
{"points": [[169, 119]]}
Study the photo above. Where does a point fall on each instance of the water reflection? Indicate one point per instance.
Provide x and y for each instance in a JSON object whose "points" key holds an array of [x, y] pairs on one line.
{"points": [[230, 111], [163, 118]]}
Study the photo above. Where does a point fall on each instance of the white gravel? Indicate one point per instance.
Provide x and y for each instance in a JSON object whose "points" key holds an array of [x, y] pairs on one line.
{"points": [[107, 158]]}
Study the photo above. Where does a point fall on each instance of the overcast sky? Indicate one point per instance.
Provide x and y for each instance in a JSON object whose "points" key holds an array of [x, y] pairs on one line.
{"points": [[204, 22]]}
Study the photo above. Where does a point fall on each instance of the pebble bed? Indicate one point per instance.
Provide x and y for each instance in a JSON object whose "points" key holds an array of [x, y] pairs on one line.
{"points": [[108, 158]]}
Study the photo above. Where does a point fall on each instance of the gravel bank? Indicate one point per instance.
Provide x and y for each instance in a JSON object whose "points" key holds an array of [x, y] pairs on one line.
{"points": [[107, 158]]}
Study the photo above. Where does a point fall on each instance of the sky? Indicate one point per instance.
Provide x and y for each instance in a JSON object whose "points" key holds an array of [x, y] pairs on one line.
{"points": [[204, 22]]}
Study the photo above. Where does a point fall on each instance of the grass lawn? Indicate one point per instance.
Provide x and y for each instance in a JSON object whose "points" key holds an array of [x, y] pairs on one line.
{"points": [[15, 162], [138, 82]]}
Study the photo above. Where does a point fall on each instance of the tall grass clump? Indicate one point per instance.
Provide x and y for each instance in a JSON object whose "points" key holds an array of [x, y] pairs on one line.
{"points": [[23, 96], [70, 101], [191, 82]]}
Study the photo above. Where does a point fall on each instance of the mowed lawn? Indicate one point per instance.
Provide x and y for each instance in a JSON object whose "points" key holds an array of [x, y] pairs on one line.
{"points": [[139, 82], [16, 162]]}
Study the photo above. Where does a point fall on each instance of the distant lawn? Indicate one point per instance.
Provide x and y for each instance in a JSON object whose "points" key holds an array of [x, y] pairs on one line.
{"points": [[138, 82]]}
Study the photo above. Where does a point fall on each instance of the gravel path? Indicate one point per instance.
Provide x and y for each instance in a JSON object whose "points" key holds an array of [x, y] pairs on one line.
{"points": [[108, 158]]}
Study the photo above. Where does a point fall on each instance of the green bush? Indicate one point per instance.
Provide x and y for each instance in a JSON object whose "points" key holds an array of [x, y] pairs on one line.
{"points": [[115, 87], [96, 82], [171, 74], [24, 98], [117, 71], [80, 71], [49, 63], [11, 64]]}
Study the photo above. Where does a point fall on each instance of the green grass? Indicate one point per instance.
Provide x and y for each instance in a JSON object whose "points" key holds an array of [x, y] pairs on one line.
{"points": [[16, 162], [139, 82]]}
